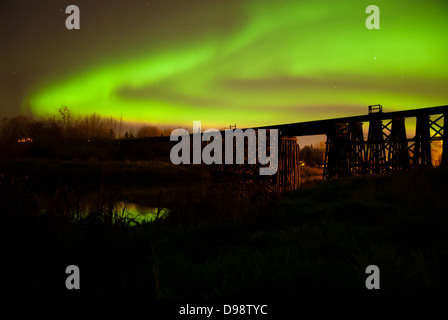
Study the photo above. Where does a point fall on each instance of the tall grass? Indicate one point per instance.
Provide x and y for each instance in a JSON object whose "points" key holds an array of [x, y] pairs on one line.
{"points": [[215, 243]]}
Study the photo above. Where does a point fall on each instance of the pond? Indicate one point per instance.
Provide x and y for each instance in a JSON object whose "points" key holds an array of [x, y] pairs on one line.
{"points": [[137, 214], [135, 204]]}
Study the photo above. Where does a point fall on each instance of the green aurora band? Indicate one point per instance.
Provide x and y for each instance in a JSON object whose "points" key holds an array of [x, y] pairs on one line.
{"points": [[268, 62]]}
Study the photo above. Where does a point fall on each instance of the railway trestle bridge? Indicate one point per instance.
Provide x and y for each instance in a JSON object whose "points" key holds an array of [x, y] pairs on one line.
{"points": [[350, 149], [384, 147]]}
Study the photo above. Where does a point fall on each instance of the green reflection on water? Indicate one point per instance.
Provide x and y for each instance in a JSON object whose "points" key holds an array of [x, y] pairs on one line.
{"points": [[139, 214]]}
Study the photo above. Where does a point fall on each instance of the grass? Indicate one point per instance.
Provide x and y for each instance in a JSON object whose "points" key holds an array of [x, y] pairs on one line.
{"points": [[313, 243]]}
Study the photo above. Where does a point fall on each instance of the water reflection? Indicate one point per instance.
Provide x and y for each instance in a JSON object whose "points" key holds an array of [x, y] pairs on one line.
{"points": [[220, 197], [137, 214], [209, 197]]}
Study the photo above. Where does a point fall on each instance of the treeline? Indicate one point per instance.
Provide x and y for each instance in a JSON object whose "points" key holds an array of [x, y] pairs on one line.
{"points": [[313, 156], [63, 135], [64, 125]]}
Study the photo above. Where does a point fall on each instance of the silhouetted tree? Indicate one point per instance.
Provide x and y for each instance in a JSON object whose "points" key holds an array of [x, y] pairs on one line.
{"points": [[312, 157], [17, 128], [66, 118], [111, 134]]}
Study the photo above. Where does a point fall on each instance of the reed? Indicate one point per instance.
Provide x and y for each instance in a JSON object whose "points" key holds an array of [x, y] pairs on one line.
{"points": [[216, 244]]}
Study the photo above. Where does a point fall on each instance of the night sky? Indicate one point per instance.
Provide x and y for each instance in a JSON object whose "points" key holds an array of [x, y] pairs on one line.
{"points": [[244, 62]]}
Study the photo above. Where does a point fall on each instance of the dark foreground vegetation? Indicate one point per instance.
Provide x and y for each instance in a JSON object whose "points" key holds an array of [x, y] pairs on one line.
{"points": [[315, 242]]}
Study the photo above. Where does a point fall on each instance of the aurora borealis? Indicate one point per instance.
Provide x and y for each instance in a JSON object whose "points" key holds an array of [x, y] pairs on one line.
{"points": [[244, 62]]}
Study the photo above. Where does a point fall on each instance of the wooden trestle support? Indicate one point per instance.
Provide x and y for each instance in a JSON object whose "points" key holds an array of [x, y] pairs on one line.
{"points": [[387, 148]]}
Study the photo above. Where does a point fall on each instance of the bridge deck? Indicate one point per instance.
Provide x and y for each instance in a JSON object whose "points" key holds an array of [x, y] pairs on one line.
{"points": [[323, 126]]}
